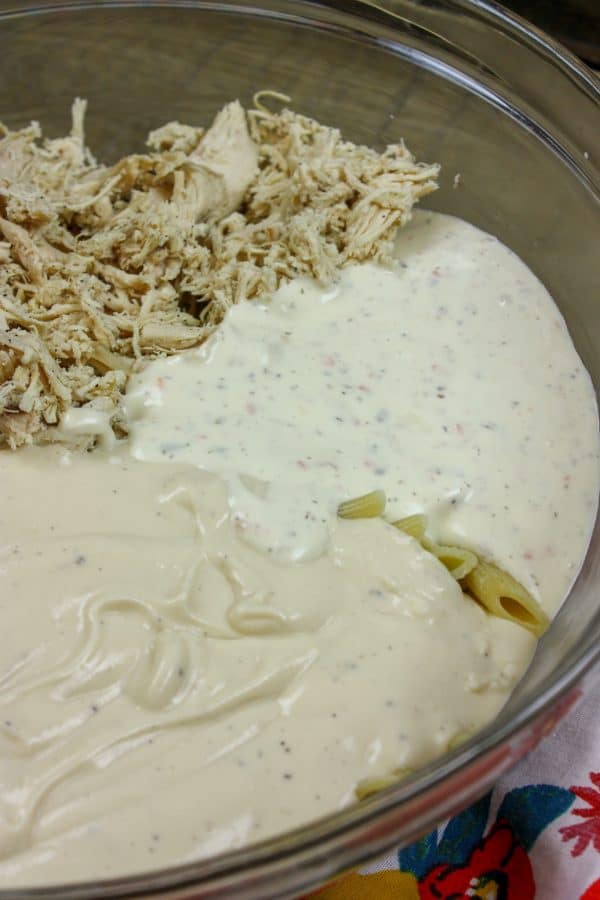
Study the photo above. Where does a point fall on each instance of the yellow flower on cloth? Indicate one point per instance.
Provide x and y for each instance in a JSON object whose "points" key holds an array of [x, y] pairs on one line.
{"points": [[389, 885]]}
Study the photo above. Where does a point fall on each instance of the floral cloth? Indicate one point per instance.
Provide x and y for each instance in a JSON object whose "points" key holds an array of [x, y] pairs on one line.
{"points": [[536, 836]]}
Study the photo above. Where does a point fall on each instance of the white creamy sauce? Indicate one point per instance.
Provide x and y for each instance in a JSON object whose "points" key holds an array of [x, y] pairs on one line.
{"points": [[201, 655], [451, 383]]}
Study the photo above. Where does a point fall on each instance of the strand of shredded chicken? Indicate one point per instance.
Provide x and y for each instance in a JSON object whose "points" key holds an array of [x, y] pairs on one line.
{"points": [[101, 266]]}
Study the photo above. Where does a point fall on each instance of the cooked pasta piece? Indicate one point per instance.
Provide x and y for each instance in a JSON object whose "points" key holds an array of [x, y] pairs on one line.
{"points": [[369, 786], [497, 591], [415, 526], [503, 596], [461, 738], [369, 506], [458, 560], [376, 783]]}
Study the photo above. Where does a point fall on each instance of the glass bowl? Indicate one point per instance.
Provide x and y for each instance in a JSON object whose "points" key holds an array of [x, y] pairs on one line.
{"points": [[466, 84]]}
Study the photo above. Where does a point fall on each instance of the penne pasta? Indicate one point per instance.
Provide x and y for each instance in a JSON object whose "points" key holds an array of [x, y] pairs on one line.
{"points": [[415, 526], [494, 589], [369, 786], [369, 506], [503, 596], [376, 783], [458, 560], [461, 738]]}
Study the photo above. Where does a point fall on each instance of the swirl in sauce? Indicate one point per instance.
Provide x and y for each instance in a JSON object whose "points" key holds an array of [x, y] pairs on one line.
{"points": [[201, 654]]}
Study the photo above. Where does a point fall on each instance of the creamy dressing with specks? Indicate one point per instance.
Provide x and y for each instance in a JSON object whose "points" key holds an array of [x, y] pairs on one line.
{"points": [[450, 382], [201, 654], [169, 692]]}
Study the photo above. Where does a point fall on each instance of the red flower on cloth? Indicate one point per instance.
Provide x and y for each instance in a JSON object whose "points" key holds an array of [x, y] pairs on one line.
{"points": [[497, 869], [586, 832], [593, 892]]}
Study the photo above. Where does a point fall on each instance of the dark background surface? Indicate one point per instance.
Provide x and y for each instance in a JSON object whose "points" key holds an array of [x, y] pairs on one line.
{"points": [[575, 23]]}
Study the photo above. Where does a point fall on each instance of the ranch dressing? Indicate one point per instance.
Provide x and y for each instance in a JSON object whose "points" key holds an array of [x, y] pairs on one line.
{"points": [[201, 654], [450, 382], [169, 692]]}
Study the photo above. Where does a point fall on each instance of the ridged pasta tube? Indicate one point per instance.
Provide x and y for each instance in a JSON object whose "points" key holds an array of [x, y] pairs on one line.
{"points": [[503, 596], [458, 560], [415, 526], [493, 588], [369, 506]]}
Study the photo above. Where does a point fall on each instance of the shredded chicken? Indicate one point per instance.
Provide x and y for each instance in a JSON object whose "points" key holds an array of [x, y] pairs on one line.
{"points": [[102, 267]]}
